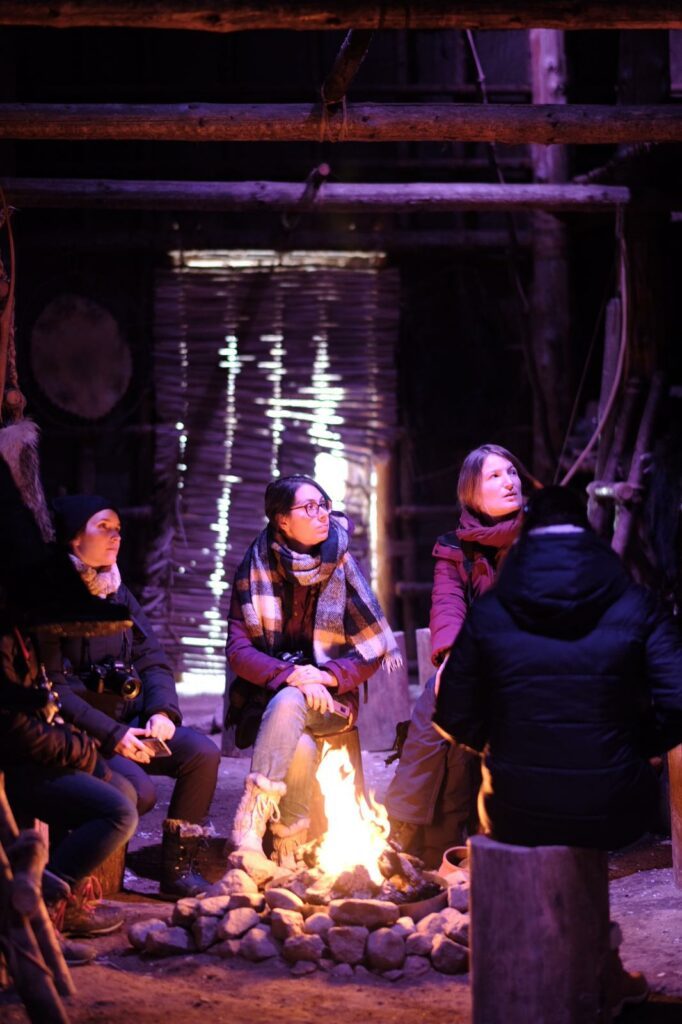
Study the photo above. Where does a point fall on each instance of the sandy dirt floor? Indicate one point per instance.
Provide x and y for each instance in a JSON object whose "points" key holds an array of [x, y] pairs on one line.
{"points": [[120, 987]]}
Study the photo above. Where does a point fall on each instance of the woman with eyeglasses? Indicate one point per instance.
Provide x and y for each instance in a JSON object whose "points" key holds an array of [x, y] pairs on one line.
{"points": [[306, 630]]}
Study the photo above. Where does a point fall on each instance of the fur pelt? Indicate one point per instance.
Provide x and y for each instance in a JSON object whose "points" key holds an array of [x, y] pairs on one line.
{"points": [[19, 449]]}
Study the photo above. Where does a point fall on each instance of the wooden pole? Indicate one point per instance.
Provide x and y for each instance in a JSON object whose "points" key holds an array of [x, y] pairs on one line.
{"points": [[549, 297], [243, 196], [298, 15], [543, 123], [346, 66], [675, 770]]}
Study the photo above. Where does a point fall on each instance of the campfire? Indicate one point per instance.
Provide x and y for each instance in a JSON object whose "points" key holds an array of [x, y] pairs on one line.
{"points": [[356, 902], [355, 857]]}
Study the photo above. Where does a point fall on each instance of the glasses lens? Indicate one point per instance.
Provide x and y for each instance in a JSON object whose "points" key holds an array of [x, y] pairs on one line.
{"points": [[313, 508]]}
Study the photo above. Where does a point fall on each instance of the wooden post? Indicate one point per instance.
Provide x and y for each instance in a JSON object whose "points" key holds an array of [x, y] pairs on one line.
{"points": [[549, 299], [675, 770], [318, 15], [385, 527], [539, 933], [347, 64]]}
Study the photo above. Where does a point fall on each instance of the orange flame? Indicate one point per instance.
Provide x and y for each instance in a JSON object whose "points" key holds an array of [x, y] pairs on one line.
{"points": [[357, 830]]}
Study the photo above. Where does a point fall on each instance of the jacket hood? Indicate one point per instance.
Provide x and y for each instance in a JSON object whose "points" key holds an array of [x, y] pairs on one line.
{"points": [[560, 585]]}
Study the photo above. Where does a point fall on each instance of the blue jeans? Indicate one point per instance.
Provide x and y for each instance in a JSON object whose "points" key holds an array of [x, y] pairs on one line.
{"points": [[91, 817], [285, 749]]}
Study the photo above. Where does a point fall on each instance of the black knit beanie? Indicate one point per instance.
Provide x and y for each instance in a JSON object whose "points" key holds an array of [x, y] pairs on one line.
{"points": [[71, 513]]}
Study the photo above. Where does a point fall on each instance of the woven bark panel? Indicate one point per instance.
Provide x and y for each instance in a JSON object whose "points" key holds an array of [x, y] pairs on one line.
{"points": [[259, 367]]}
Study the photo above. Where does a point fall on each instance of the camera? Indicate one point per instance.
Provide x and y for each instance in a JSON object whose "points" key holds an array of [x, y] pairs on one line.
{"points": [[111, 676]]}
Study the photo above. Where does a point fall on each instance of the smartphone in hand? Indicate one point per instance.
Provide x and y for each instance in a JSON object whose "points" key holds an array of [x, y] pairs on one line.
{"points": [[155, 746], [341, 709]]}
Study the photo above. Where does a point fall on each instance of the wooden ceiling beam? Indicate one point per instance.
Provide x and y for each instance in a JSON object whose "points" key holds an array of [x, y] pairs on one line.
{"points": [[243, 15], [514, 124], [243, 196]]}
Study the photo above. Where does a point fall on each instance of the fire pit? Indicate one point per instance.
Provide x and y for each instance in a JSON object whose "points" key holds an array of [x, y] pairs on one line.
{"points": [[356, 902]]}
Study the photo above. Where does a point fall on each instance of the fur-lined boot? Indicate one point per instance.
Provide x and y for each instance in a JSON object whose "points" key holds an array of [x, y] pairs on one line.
{"points": [[258, 806], [287, 842]]}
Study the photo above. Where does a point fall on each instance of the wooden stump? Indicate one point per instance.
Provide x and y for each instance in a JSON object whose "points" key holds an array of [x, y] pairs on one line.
{"points": [[388, 702], [539, 933], [675, 771], [110, 872], [425, 668]]}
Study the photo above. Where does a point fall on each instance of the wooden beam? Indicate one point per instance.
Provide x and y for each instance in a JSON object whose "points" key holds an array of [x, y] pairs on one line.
{"points": [[346, 66], [242, 196], [545, 124], [244, 15]]}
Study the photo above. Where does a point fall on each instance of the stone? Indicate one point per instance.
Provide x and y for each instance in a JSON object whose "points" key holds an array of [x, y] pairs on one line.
{"points": [[418, 944], [258, 944], [458, 897], [342, 970], [385, 950], [138, 932], [449, 957], [257, 866], [303, 947], [368, 913], [394, 975], [320, 891], [303, 967], [404, 926], [318, 924], [204, 932], [237, 923], [458, 930], [185, 911], [227, 949], [360, 972], [432, 924], [286, 923], [255, 900], [415, 966], [326, 963], [170, 942], [234, 880], [355, 884], [347, 943], [214, 906], [283, 899]]}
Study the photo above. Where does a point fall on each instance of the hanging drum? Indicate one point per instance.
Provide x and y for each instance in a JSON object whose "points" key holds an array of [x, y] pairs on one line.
{"points": [[79, 358]]}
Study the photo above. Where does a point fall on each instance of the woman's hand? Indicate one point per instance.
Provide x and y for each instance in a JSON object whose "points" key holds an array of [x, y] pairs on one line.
{"points": [[131, 747], [304, 675], [318, 697], [161, 727]]}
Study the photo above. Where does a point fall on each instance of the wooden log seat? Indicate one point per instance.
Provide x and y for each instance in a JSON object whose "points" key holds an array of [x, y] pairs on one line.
{"points": [[539, 933]]}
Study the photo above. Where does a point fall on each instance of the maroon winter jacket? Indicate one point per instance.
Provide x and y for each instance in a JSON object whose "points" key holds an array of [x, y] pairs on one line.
{"points": [[247, 661], [467, 563]]}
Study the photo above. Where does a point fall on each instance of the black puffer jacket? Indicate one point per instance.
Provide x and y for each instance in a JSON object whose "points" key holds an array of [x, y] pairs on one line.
{"points": [[568, 677], [105, 716], [25, 735]]}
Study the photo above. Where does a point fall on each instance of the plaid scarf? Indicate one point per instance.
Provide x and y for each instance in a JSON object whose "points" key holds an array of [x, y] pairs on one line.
{"points": [[348, 620]]}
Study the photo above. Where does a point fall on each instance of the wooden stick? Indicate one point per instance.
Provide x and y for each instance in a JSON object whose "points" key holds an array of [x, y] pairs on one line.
{"points": [[28, 858], [512, 123], [297, 15], [347, 64], [32, 978], [675, 769], [238, 197]]}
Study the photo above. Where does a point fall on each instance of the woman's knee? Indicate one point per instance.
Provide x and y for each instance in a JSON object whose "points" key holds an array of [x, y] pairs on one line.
{"points": [[287, 703]]}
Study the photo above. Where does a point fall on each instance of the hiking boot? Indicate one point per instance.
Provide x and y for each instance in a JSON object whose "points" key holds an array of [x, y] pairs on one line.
{"points": [[180, 845], [622, 988], [77, 954], [82, 915]]}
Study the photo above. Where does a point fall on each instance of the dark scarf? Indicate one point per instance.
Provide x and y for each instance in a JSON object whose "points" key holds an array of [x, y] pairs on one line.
{"points": [[486, 532]]}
